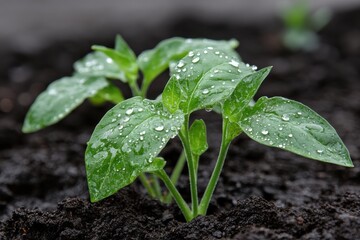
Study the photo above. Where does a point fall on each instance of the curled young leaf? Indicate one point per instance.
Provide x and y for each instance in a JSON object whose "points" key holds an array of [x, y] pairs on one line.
{"points": [[292, 126], [155, 61], [205, 77], [125, 143], [59, 99]]}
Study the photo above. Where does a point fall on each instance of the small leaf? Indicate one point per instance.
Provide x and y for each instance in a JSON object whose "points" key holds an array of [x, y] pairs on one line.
{"points": [[206, 77], [197, 135], [123, 48], [155, 61], [292, 126], [171, 96], [243, 94], [97, 64], [108, 94], [232, 131], [125, 143], [59, 99], [125, 63]]}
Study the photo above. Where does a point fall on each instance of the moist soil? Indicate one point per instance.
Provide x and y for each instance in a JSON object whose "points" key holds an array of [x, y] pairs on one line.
{"points": [[263, 193]]}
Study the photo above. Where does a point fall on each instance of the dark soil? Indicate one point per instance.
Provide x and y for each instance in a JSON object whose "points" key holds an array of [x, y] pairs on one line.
{"points": [[263, 193]]}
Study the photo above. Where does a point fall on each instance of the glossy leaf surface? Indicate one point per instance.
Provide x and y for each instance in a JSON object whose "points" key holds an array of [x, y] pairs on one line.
{"points": [[292, 126], [198, 137], [59, 99], [155, 61], [243, 94], [97, 64], [206, 77], [125, 143], [109, 93]]}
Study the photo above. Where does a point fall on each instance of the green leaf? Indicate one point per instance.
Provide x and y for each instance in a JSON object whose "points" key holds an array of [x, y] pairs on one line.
{"points": [[243, 94], [125, 143], [59, 99], [206, 77], [171, 96], [292, 126], [125, 63], [197, 135], [108, 94], [232, 131], [97, 64], [155, 61], [123, 48]]}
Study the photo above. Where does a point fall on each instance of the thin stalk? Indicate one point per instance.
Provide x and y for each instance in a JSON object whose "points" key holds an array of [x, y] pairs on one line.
{"points": [[184, 137], [176, 195], [146, 184], [144, 87], [176, 173], [135, 89], [205, 201], [157, 188]]}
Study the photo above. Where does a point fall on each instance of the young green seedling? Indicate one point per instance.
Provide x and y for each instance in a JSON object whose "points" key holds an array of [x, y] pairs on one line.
{"points": [[128, 139], [93, 77]]}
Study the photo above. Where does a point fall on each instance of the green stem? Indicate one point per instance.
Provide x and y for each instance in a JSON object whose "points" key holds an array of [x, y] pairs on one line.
{"points": [[144, 87], [176, 195], [184, 137], [135, 89], [225, 142], [147, 185], [157, 188], [176, 173]]}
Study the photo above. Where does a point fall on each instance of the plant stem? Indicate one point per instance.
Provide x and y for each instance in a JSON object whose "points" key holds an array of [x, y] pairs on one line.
{"points": [[135, 89], [176, 173], [157, 188], [184, 137], [147, 185], [205, 201], [174, 192], [144, 87]]}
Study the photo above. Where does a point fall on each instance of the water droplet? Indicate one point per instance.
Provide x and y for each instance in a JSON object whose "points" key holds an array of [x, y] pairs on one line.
{"points": [[205, 51], [210, 48], [205, 91], [141, 138], [119, 115], [208, 109], [113, 120], [216, 71], [191, 53], [290, 135], [126, 119], [121, 127], [140, 109], [109, 60], [250, 129], [142, 133], [159, 128], [181, 64], [129, 111], [299, 113], [285, 117], [234, 63], [265, 132], [217, 52], [195, 60], [319, 151], [254, 67], [314, 127]]}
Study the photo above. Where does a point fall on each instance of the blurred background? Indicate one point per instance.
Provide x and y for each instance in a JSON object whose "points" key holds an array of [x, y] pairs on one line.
{"points": [[31, 24]]}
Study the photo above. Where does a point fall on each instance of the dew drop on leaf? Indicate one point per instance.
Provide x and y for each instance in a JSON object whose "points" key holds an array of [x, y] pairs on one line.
{"points": [[195, 60]]}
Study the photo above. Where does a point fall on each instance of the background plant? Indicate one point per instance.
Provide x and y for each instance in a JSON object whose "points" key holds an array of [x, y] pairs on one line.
{"points": [[301, 26], [206, 75]]}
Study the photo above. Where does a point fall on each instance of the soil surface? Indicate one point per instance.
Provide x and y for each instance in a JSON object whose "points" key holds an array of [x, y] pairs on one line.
{"points": [[263, 193]]}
